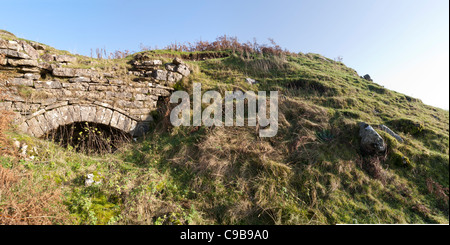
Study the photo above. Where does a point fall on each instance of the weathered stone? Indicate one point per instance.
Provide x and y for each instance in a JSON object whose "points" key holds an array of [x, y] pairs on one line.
{"points": [[84, 112], [251, 81], [56, 105], [183, 70], [22, 62], [31, 76], [48, 84], [35, 127], [14, 54], [66, 115], [116, 81], [177, 61], [52, 118], [65, 58], [371, 141], [99, 114], [64, 72], [160, 75], [106, 118], [30, 50], [21, 82], [79, 79], [114, 119], [37, 46], [8, 44], [170, 67], [25, 69], [392, 133], [48, 57], [142, 97], [173, 77], [152, 62], [121, 122]]}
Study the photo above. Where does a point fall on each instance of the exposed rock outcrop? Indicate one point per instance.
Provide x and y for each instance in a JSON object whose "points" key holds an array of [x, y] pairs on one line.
{"points": [[371, 141]]}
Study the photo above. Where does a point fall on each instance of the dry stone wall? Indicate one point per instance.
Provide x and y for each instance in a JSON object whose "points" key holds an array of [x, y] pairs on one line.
{"points": [[45, 92]]}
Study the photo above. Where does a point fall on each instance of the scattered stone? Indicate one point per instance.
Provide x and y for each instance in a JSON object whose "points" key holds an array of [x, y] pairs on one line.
{"points": [[23, 150], [16, 144], [392, 133], [89, 180], [371, 141], [251, 81]]}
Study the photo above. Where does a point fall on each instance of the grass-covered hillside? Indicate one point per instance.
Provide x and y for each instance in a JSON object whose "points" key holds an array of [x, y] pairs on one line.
{"points": [[311, 172]]}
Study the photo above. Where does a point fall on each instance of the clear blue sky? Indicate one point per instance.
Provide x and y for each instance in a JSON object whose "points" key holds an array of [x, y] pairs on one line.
{"points": [[402, 44]]}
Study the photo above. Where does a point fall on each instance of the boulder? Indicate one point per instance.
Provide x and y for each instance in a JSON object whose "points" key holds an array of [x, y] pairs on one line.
{"points": [[371, 141]]}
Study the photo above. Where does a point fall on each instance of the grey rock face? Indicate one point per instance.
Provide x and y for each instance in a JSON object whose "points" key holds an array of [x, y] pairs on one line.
{"points": [[371, 141], [392, 133]]}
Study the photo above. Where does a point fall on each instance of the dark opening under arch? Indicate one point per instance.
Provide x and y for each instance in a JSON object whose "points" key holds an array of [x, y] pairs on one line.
{"points": [[89, 137]]}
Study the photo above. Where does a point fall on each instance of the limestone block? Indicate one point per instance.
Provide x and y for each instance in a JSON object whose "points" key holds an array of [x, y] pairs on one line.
{"points": [[106, 118], [183, 70], [160, 75], [22, 62]]}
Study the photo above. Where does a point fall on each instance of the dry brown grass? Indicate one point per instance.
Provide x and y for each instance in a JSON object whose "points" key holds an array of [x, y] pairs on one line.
{"points": [[25, 202]]}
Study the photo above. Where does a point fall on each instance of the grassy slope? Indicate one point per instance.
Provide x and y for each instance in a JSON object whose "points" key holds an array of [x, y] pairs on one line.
{"points": [[311, 173]]}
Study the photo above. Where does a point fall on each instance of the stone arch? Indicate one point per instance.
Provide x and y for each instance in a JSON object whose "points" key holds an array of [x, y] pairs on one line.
{"points": [[44, 121]]}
